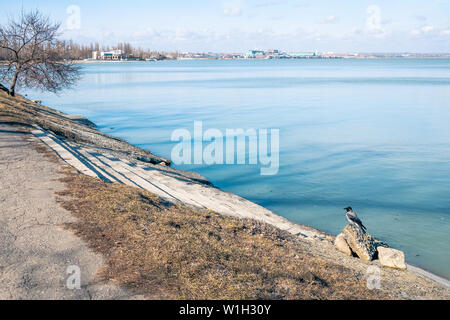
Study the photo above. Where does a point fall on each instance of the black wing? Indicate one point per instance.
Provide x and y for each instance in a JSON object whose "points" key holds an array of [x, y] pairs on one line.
{"points": [[357, 221]]}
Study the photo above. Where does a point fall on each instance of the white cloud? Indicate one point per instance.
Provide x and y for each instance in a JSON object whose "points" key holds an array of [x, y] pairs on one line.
{"points": [[430, 32], [234, 11], [427, 28], [149, 32], [330, 19]]}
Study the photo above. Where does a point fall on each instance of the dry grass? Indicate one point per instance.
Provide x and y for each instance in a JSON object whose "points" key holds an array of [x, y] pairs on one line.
{"points": [[167, 251]]}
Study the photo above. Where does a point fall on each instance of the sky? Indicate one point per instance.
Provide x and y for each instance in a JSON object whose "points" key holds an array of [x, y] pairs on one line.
{"points": [[239, 25]]}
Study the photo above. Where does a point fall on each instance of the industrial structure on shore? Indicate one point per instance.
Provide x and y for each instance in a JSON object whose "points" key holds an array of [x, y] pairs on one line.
{"points": [[256, 54], [114, 55]]}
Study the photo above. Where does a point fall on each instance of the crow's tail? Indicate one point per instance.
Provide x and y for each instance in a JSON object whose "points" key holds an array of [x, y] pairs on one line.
{"points": [[363, 228]]}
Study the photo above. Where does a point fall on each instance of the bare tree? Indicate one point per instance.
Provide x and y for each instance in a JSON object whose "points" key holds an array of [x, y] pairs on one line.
{"points": [[33, 58]]}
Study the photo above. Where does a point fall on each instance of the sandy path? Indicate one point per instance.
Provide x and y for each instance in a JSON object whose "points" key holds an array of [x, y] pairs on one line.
{"points": [[35, 251]]}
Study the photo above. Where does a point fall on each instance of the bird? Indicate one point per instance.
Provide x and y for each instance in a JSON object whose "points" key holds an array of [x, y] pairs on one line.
{"points": [[353, 219]]}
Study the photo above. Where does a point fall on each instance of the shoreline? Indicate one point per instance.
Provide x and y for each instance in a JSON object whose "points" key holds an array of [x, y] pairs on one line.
{"points": [[319, 240], [256, 59]]}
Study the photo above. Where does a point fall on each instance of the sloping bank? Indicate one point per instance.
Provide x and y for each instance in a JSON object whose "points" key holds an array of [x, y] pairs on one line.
{"points": [[210, 243]]}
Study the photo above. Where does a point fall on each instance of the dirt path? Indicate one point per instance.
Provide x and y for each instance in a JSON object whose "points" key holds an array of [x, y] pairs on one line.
{"points": [[35, 251]]}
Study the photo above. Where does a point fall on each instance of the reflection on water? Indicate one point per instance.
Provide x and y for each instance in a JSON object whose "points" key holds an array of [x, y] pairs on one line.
{"points": [[372, 134]]}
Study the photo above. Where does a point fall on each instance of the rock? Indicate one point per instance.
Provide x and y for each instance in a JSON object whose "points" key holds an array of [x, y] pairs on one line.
{"points": [[342, 245], [379, 243], [152, 160], [362, 244], [391, 258], [81, 120]]}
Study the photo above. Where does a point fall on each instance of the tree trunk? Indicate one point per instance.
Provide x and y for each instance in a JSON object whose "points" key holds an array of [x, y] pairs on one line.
{"points": [[12, 88]]}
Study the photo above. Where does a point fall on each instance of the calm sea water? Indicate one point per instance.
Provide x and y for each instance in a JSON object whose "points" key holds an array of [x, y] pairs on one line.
{"points": [[373, 134]]}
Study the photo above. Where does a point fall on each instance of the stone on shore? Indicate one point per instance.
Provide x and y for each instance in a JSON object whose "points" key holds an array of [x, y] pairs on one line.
{"points": [[391, 258], [362, 244], [152, 160], [78, 119], [342, 245]]}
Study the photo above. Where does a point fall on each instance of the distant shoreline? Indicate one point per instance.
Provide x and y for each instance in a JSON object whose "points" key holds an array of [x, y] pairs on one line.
{"points": [[256, 59]]}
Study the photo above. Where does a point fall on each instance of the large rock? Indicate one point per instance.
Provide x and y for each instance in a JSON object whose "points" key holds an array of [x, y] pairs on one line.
{"points": [[342, 245], [362, 244], [391, 258]]}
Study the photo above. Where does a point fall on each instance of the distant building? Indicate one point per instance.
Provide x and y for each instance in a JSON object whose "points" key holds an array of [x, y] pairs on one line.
{"points": [[107, 55], [255, 54], [302, 54], [130, 57]]}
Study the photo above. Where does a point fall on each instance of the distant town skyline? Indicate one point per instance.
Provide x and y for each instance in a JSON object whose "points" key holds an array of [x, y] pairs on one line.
{"points": [[239, 25]]}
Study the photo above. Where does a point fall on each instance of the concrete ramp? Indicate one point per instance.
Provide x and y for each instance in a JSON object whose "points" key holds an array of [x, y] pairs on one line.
{"points": [[156, 180]]}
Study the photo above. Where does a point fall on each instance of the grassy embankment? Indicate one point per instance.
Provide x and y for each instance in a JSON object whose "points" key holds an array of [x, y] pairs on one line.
{"points": [[169, 251]]}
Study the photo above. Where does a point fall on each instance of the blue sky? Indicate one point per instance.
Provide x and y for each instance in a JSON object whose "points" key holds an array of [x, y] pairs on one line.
{"points": [[238, 25]]}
